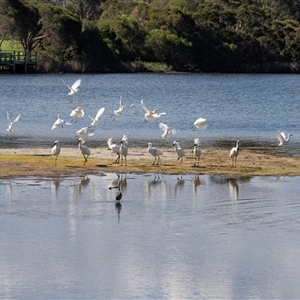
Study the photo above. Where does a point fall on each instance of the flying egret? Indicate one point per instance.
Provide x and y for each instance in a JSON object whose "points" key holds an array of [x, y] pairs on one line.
{"points": [[151, 115], [99, 114], [78, 112], [11, 123], [197, 150], [283, 140], [155, 152], [121, 108], [55, 149], [123, 149], [179, 150], [234, 152], [74, 88], [200, 124], [86, 131], [85, 151], [115, 148], [166, 129], [59, 123]]}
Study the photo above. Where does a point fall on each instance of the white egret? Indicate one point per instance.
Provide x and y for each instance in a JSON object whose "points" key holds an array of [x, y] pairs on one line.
{"points": [[234, 152], [115, 148], [124, 149], [121, 108], [55, 149], [200, 124], [151, 115], [283, 140], [85, 151], [180, 152], [11, 123], [59, 123], [74, 88], [197, 151], [98, 115], [78, 112], [86, 131], [166, 129], [154, 152]]}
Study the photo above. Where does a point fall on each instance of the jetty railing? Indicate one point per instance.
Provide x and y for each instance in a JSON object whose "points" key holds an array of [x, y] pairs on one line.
{"points": [[17, 61]]}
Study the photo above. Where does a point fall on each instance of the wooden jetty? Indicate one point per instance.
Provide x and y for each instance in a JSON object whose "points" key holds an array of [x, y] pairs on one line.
{"points": [[17, 62]]}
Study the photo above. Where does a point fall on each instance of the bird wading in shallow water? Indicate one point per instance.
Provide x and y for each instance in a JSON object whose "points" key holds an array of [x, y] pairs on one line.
{"points": [[234, 152], [85, 151], [55, 149], [283, 140], [154, 152]]}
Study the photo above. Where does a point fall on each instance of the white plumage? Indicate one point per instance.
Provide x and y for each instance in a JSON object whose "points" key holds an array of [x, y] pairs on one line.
{"points": [[55, 149], [59, 123], [200, 124], [283, 140], [85, 151], [234, 152], [74, 88], [197, 150], [124, 149], [180, 152], [98, 115], [151, 115], [86, 131], [121, 108], [166, 129], [78, 112], [154, 152], [115, 148], [11, 123]]}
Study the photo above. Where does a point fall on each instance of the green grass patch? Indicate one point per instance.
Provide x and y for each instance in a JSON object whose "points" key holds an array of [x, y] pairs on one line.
{"points": [[11, 45], [157, 67]]}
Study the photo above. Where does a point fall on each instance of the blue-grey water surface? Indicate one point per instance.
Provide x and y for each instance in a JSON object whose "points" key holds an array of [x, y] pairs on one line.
{"points": [[173, 237], [250, 108]]}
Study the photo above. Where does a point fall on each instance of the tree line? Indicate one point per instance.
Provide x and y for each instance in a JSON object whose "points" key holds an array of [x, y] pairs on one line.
{"points": [[229, 36]]}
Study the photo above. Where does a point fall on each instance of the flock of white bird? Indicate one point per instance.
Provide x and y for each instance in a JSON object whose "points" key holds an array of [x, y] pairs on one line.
{"points": [[121, 148]]}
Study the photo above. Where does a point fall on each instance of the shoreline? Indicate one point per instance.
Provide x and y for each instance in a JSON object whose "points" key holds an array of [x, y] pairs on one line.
{"points": [[39, 162]]}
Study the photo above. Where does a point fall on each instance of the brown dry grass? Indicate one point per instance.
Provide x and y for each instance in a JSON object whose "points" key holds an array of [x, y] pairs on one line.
{"points": [[38, 162]]}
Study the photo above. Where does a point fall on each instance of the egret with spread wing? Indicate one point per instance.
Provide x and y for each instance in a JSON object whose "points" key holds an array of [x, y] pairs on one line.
{"points": [[99, 114], [59, 123], [11, 123], [74, 88], [283, 140], [151, 115]]}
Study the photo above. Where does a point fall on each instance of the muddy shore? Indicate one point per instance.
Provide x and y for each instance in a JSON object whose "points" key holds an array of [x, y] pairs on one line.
{"points": [[40, 162]]}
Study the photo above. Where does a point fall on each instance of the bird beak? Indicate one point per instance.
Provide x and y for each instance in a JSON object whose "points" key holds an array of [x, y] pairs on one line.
{"points": [[75, 143], [51, 146]]}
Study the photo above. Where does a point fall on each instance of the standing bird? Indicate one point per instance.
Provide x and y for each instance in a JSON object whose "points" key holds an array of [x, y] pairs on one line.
{"points": [[59, 123], [73, 89], [99, 114], [121, 108], [179, 150], [123, 149], [85, 151], [283, 140], [115, 148], [166, 129], [155, 152], [234, 152], [11, 123], [197, 151], [200, 124], [151, 115], [78, 112], [55, 149]]}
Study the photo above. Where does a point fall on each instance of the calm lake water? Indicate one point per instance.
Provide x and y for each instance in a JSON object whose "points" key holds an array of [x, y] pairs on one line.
{"points": [[189, 237], [250, 108]]}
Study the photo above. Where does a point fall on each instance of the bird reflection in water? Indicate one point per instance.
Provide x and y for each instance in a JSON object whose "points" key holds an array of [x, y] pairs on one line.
{"points": [[196, 183], [233, 189], [179, 184], [84, 183]]}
